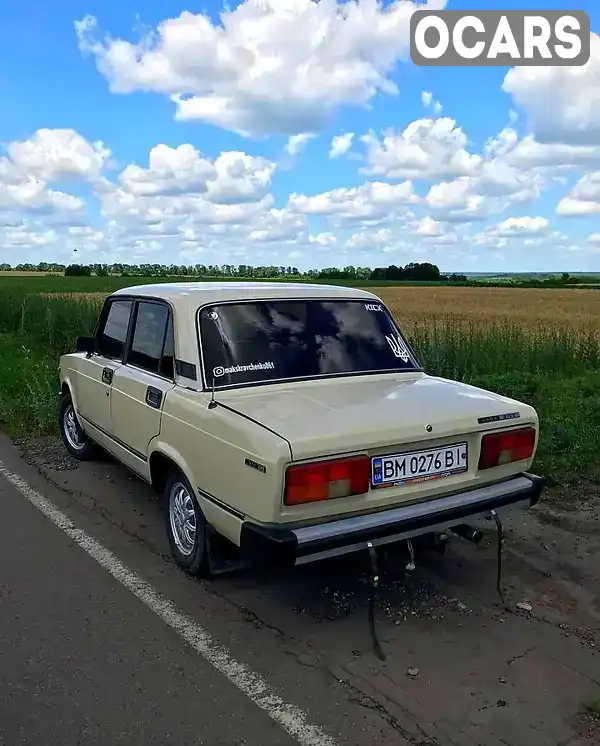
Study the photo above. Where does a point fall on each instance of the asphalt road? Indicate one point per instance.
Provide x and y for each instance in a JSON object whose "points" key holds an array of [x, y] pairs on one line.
{"points": [[83, 661], [86, 657]]}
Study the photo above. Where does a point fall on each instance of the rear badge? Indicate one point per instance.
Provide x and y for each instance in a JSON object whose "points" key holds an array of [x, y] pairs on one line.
{"points": [[255, 465], [499, 417]]}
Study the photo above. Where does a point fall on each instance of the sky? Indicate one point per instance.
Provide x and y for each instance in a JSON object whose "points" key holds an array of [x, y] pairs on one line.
{"points": [[288, 132]]}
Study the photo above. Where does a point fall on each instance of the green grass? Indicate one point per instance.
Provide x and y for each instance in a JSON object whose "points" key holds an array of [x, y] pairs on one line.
{"points": [[61, 284], [28, 387], [557, 371]]}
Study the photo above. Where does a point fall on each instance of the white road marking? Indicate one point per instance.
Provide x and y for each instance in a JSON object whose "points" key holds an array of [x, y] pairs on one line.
{"points": [[289, 717]]}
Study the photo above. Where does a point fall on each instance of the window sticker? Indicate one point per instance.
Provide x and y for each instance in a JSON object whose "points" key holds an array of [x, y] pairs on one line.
{"points": [[373, 307], [219, 370], [399, 348]]}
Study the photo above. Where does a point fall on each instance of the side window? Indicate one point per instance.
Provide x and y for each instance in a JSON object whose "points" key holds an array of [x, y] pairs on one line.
{"points": [[111, 341], [149, 339]]}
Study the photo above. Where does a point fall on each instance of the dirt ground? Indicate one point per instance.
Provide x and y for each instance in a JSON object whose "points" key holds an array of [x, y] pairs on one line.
{"points": [[460, 668]]}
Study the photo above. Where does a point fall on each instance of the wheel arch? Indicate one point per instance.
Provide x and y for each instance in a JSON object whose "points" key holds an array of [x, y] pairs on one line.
{"points": [[161, 462], [66, 387]]}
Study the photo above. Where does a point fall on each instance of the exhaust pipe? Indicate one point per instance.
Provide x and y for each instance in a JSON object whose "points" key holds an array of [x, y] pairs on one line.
{"points": [[469, 533]]}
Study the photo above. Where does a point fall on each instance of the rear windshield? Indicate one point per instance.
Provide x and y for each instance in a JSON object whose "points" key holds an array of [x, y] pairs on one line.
{"points": [[267, 341]]}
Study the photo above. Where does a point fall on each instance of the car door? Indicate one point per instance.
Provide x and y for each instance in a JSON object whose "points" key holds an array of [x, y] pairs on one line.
{"points": [[140, 385], [96, 372]]}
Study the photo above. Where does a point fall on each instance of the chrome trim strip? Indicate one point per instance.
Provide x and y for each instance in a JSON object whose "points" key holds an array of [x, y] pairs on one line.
{"points": [[348, 526], [437, 527]]}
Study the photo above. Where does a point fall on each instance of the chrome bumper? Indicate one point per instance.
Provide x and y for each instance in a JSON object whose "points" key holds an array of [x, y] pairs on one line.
{"points": [[283, 543]]}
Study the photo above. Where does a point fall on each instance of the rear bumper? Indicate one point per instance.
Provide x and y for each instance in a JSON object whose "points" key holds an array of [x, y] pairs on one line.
{"points": [[289, 545]]}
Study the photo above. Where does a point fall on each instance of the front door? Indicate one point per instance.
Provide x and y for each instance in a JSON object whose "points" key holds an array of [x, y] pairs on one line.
{"points": [[96, 373], [139, 387]]}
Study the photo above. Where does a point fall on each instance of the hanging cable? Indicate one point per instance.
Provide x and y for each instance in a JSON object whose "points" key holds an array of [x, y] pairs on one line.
{"points": [[500, 546], [372, 598]]}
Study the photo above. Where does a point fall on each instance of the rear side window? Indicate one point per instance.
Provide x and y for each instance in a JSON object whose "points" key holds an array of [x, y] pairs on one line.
{"points": [[111, 341], [152, 340]]}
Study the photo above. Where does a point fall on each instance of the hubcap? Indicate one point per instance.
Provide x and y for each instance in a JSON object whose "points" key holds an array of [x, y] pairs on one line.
{"points": [[182, 516], [72, 431]]}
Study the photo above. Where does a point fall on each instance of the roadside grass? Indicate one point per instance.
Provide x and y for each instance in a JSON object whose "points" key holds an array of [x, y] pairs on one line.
{"points": [[28, 387], [555, 369]]}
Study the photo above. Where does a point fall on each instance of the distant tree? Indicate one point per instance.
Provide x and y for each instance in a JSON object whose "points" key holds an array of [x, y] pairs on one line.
{"points": [[78, 270]]}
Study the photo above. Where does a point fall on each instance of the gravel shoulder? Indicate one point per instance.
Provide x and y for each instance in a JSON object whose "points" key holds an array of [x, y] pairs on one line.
{"points": [[459, 670]]}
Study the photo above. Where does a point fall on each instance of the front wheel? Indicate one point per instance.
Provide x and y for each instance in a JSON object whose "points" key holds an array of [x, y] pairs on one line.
{"points": [[73, 436], [186, 526]]}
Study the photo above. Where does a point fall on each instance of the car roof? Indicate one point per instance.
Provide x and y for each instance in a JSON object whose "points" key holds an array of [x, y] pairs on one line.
{"points": [[200, 293]]}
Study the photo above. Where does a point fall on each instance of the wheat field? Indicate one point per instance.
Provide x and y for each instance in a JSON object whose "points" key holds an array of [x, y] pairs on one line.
{"points": [[523, 307]]}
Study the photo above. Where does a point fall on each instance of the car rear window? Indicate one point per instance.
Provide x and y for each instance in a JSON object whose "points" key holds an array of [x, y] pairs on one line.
{"points": [[265, 341]]}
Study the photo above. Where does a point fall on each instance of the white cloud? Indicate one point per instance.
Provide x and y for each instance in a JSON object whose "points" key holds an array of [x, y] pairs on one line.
{"points": [[32, 195], [297, 143], [170, 171], [58, 155], [528, 153], [370, 201], [240, 178], [184, 206], [279, 225], [561, 102], [269, 66], [514, 241], [429, 103], [456, 201], [523, 226], [27, 174], [24, 238], [429, 227], [426, 149], [232, 177], [583, 199], [341, 144]]}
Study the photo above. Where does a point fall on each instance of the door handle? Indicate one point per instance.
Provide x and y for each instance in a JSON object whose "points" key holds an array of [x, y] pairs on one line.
{"points": [[153, 397], [107, 375]]}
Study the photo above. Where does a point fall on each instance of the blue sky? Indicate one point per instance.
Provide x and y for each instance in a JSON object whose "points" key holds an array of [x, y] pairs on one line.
{"points": [[187, 133]]}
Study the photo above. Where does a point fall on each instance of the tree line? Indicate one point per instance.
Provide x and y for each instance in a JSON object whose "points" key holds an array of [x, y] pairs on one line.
{"points": [[412, 272]]}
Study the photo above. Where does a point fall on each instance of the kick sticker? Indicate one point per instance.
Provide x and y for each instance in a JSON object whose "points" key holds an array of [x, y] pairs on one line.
{"points": [[399, 348], [373, 307], [221, 371]]}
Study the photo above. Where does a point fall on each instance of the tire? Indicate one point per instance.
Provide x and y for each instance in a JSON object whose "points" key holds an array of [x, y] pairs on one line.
{"points": [[73, 436], [189, 546]]}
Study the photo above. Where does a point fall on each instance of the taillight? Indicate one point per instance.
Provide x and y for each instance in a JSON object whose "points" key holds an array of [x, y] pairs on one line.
{"points": [[323, 480], [504, 448]]}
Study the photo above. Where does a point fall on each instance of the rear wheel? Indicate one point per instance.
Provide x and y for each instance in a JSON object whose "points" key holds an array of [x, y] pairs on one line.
{"points": [[186, 526], [73, 436]]}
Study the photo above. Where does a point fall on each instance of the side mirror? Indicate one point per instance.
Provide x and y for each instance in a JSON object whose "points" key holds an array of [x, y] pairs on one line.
{"points": [[85, 344]]}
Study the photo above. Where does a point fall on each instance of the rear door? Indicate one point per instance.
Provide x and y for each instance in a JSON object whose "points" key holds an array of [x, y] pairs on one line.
{"points": [[96, 373], [140, 386]]}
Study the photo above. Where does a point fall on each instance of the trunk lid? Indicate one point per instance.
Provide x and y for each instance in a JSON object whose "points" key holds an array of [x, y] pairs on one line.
{"points": [[380, 415]]}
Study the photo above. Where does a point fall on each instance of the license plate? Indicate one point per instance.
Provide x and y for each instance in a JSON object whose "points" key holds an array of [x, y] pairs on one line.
{"points": [[417, 466]]}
